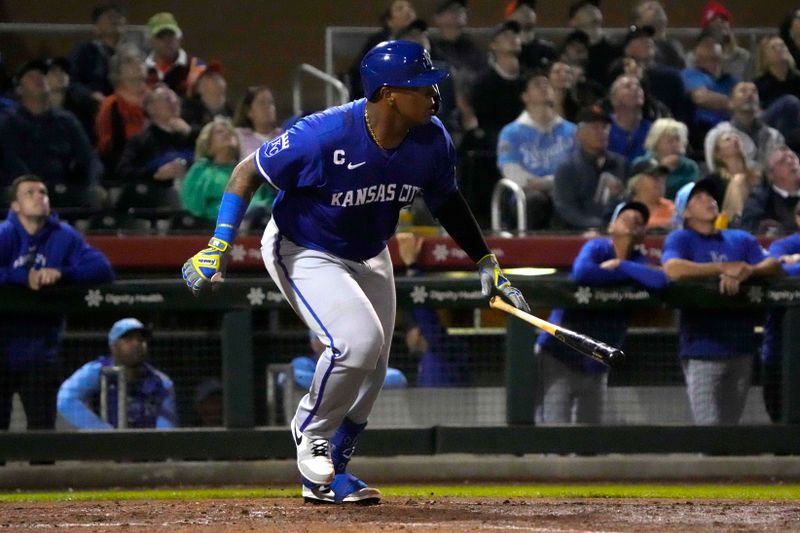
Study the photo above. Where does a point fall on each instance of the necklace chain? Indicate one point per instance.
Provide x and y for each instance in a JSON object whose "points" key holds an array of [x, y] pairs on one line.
{"points": [[371, 131]]}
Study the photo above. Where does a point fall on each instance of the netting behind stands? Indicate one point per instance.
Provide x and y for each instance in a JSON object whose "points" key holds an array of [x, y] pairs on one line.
{"points": [[453, 362]]}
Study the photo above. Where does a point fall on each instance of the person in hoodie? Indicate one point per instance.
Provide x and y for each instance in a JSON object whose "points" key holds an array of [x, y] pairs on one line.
{"points": [[36, 251], [572, 387]]}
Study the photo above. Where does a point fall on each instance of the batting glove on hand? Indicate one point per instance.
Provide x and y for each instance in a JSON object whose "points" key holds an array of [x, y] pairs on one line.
{"points": [[206, 266], [493, 279]]}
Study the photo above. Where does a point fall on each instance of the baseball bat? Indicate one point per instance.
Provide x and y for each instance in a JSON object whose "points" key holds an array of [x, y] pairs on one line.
{"points": [[586, 345]]}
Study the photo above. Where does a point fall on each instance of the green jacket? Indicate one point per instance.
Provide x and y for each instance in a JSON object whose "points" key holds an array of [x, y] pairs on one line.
{"points": [[687, 171], [201, 192]]}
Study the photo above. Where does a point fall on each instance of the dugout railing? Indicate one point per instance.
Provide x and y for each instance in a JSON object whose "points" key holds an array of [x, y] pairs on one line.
{"points": [[241, 300]]}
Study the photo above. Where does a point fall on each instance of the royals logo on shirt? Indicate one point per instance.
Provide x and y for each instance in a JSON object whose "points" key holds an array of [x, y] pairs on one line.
{"points": [[276, 145]]}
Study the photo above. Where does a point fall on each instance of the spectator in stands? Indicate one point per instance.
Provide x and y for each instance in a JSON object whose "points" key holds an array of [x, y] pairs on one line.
{"points": [[216, 153], [777, 71], [37, 139], [90, 59], [495, 97], [708, 87], [585, 15], [770, 206], [397, 15], [574, 52], [207, 403], [70, 96], [666, 144], [716, 348], [536, 53], [590, 182], [628, 127], [668, 52], [150, 396], [168, 63], [562, 80], [531, 148], [734, 175], [255, 119], [787, 251], [570, 381], [757, 139], [208, 98], [158, 156], [647, 186], [36, 251], [790, 33], [121, 114], [717, 21], [663, 85], [453, 45], [444, 360]]}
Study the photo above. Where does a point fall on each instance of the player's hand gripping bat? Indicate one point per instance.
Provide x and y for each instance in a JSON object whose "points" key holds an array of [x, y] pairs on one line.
{"points": [[586, 345]]}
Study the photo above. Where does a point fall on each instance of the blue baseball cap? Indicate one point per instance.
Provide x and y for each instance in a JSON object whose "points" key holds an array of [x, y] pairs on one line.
{"points": [[686, 192], [123, 327]]}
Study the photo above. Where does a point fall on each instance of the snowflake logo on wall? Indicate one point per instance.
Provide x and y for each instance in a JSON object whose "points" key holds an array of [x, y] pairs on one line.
{"points": [[755, 294], [93, 298], [238, 253], [419, 294], [440, 252], [256, 296], [583, 295]]}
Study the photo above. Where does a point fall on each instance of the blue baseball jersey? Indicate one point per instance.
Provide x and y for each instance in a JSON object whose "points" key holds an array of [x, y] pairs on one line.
{"points": [[773, 326], [538, 150], [715, 334], [342, 194]]}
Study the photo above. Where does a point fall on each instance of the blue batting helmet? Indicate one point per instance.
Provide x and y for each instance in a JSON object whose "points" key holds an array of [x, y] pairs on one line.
{"points": [[398, 64]]}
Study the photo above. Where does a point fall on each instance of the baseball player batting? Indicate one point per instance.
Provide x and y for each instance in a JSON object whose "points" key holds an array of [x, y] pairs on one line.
{"points": [[343, 175]]}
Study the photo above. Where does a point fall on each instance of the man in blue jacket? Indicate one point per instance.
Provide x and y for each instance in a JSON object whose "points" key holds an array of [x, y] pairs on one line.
{"points": [[571, 382], [36, 250], [149, 392]]}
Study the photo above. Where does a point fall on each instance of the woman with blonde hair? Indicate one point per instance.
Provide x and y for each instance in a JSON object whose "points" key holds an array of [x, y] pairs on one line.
{"points": [[216, 154], [777, 70], [735, 175], [666, 144]]}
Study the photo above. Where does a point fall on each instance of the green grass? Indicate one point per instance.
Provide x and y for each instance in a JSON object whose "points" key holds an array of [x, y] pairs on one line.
{"points": [[691, 491]]}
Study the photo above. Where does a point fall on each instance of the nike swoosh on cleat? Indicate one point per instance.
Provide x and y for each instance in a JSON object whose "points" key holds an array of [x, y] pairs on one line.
{"points": [[297, 439], [351, 166]]}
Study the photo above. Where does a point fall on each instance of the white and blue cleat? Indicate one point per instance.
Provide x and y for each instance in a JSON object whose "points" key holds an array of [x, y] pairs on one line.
{"points": [[346, 488]]}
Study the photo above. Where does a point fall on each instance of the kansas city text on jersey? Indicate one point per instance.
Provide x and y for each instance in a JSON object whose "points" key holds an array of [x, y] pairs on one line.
{"points": [[375, 193]]}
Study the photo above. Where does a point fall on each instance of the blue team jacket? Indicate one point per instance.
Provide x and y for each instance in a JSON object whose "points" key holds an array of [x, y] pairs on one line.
{"points": [[28, 339]]}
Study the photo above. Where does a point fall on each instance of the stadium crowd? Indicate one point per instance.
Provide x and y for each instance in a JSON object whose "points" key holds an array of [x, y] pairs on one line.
{"points": [[131, 139]]}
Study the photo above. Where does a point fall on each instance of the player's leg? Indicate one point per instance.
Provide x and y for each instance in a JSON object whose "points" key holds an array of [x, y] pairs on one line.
{"points": [[590, 398], [703, 383], [734, 388], [377, 282], [7, 387], [556, 390], [321, 289], [38, 388]]}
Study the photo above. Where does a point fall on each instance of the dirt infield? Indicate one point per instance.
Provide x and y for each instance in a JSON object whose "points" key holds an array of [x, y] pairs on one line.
{"points": [[438, 514]]}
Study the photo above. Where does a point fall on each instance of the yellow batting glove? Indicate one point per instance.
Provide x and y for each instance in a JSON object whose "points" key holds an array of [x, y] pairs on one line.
{"points": [[206, 266], [493, 280]]}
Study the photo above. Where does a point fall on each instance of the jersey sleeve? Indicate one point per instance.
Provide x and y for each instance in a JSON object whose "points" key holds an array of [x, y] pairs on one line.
{"points": [[507, 147], [76, 390], [290, 160], [676, 246], [443, 183]]}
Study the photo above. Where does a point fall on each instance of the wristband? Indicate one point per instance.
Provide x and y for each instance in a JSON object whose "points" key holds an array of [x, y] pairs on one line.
{"points": [[231, 213]]}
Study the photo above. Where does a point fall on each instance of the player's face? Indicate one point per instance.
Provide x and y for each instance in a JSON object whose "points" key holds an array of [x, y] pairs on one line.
{"points": [[629, 222], [415, 104], [32, 200], [130, 349], [702, 208]]}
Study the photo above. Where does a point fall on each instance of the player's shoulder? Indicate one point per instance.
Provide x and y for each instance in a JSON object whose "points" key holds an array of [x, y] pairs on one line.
{"points": [[433, 133], [738, 235], [678, 235], [331, 123], [165, 380]]}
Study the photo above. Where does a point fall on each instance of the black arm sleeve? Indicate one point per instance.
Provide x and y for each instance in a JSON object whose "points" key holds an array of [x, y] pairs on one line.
{"points": [[456, 217]]}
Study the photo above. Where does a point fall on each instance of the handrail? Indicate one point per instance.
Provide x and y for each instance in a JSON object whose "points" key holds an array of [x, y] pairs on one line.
{"points": [[519, 197], [297, 92]]}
